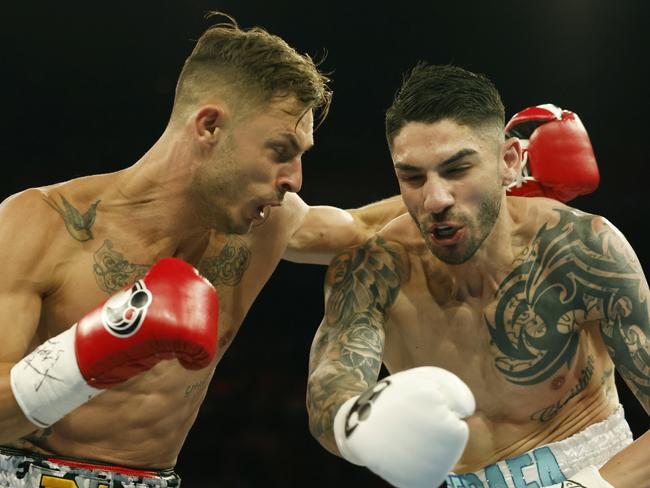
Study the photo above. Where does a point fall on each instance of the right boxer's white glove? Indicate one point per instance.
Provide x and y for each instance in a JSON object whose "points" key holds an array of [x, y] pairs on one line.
{"points": [[407, 428]]}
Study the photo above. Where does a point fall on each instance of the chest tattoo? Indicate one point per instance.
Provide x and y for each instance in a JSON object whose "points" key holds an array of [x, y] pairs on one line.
{"points": [[569, 274], [229, 266], [113, 271]]}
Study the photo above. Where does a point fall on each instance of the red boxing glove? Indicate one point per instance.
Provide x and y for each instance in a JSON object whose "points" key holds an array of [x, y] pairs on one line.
{"points": [[558, 160], [171, 313]]}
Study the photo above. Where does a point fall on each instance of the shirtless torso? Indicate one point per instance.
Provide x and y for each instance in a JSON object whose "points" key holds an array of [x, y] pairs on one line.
{"points": [[528, 330], [66, 248]]}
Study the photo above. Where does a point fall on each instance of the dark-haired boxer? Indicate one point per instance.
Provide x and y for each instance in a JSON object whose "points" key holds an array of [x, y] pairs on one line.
{"points": [[500, 318], [241, 121]]}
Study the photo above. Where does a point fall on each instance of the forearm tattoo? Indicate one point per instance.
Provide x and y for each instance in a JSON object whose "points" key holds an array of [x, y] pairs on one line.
{"points": [[576, 271], [229, 266], [347, 352]]}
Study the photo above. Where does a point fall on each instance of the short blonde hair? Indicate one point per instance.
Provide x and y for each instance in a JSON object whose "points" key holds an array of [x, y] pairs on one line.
{"points": [[251, 67]]}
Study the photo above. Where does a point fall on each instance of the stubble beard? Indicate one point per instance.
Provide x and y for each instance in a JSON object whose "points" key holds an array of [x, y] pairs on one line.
{"points": [[477, 230]]}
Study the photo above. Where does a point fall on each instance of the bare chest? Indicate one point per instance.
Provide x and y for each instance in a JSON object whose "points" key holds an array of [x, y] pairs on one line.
{"points": [[524, 358], [88, 273]]}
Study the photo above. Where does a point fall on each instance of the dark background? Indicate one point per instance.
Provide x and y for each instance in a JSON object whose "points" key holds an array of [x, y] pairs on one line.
{"points": [[87, 88]]}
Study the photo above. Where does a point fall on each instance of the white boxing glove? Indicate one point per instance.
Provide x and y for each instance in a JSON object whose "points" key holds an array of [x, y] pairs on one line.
{"points": [[587, 478], [407, 428]]}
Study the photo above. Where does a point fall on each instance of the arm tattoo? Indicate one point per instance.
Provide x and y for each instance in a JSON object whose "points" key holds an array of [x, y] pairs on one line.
{"points": [[571, 273], [112, 270], [229, 266], [77, 224], [347, 352]]}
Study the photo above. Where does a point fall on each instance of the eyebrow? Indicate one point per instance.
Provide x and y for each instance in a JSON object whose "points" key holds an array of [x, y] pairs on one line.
{"points": [[452, 159], [293, 142]]}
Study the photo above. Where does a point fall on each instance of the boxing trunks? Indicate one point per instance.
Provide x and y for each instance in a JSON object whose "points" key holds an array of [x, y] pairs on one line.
{"points": [[24, 469], [554, 462]]}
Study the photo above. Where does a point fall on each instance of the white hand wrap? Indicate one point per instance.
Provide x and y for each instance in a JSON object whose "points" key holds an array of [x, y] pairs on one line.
{"points": [[407, 428], [587, 478], [47, 383]]}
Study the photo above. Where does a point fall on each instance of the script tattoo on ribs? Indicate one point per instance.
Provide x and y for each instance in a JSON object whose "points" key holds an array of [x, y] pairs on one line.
{"points": [[575, 271], [113, 271], [229, 266]]}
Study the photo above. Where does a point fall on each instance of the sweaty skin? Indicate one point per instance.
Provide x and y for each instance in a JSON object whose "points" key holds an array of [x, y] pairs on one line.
{"points": [[533, 339], [68, 247]]}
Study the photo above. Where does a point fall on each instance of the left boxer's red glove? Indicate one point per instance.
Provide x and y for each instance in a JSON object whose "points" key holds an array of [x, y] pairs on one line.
{"points": [[558, 160], [171, 313]]}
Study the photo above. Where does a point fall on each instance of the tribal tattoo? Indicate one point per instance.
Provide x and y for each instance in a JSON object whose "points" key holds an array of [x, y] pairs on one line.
{"points": [[576, 271], [229, 266], [346, 355], [113, 271], [78, 225]]}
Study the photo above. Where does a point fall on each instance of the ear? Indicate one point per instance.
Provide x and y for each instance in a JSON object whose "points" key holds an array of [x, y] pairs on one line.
{"points": [[511, 158], [208, 123]]}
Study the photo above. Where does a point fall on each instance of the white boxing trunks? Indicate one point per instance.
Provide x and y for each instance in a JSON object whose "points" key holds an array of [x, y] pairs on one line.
{"points": [[555, 462], [24, 469]]}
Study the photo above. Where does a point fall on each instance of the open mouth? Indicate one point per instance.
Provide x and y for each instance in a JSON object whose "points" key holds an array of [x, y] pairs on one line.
{"points": [[444, 231], [261, 212], [446, 235]]}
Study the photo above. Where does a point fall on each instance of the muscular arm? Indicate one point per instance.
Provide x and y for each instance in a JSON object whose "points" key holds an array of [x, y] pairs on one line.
{"points": [[323, 231], [21, 258], [624, 324], [361, 284], [625, 329]]}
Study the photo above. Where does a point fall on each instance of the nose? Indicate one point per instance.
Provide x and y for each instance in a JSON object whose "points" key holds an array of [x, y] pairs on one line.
{"points": [[437, 194], [290, 176]]}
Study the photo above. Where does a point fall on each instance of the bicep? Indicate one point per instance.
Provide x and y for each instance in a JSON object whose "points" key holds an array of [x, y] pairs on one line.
{"points": [[624, 323], [20, 315], [23, 258], [361, 285]]}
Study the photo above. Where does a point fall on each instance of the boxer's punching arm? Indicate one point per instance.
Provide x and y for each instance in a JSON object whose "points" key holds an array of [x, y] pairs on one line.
{"points": [[347, 350], [322, 231], [24, 228]]}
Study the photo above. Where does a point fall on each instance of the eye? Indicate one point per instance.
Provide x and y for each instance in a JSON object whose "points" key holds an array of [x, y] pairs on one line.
{"points": [[457, 170], [411, 178], [282, 153]]}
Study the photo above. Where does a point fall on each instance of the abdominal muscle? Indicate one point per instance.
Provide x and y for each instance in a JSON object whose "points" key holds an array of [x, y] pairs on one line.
{"points": [[140, 424], [494, 437]]}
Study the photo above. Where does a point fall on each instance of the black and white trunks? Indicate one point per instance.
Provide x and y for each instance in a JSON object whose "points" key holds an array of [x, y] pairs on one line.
{"points": [[24, 469], [554, 462]]}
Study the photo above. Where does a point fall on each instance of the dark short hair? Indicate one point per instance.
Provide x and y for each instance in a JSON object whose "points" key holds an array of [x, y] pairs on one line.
{"points": [[252, 65], [430, 93]]}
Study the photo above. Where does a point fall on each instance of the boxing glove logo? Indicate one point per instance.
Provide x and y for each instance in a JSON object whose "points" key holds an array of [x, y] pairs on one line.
{"points": [[362, 408], [124, 312]]}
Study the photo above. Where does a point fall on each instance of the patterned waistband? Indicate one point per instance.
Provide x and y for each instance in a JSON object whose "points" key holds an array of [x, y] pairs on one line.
{"points": [[555, 462], [24, 469]]}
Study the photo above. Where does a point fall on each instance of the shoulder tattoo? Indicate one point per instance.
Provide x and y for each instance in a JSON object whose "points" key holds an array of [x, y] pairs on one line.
{"points": [[78, 225], [569, 274]]}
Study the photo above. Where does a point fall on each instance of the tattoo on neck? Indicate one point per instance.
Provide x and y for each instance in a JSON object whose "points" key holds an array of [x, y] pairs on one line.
{"points": [[229, 266], [78, 225], [112, 270]]}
